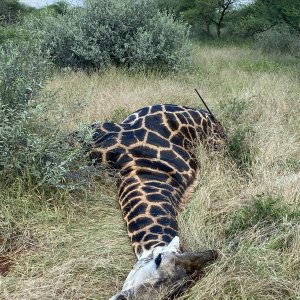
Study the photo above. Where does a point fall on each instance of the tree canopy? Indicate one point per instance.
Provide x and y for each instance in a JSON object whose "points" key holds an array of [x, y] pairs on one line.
{"points": [[246, 19], [12, 11]]}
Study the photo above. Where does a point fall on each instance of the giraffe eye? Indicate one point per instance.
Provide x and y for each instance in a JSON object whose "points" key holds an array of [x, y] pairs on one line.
{"points": [[158, 260]]}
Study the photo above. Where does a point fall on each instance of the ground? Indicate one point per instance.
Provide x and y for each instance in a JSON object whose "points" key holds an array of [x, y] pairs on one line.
{"points": [[246, 203]]}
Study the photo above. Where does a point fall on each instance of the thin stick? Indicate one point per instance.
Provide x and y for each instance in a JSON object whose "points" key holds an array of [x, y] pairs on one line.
{"points": [[204, 103]]}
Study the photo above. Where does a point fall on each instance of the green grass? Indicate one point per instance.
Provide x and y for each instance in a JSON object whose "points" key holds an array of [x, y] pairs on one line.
{"points": [[268, 214], [73, 245]]}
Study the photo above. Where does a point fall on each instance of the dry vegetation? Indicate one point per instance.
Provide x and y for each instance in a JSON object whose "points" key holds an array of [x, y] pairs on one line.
{"points": [[246, 204]]}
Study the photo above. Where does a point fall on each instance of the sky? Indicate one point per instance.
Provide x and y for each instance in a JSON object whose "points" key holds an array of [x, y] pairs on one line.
{"points": [[40, 3]]}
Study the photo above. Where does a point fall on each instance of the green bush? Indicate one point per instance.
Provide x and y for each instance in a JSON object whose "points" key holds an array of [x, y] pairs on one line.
{"points": [[263, 210], [13, 33], [131, 34], [275, 221], [23, 69], [31, 148], [12, 11], [120, 114], [280, 39], [239, 148]]}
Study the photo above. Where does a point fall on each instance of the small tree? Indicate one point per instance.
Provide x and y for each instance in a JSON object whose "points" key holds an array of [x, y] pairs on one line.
{"points": [[214, 12], [11, 11], [59, 8], [203, 12], [282, 11], [263, 15]]}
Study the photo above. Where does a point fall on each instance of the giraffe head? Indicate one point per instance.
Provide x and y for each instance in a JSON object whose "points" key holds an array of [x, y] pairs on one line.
{"points": [[163, 268]]}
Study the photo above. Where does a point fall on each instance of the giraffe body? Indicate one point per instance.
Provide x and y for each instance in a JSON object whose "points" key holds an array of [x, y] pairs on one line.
{"points": [[153, 151]]}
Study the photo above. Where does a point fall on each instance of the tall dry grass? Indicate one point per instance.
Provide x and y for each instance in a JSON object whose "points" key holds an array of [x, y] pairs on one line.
{"points": [[77, 246]]}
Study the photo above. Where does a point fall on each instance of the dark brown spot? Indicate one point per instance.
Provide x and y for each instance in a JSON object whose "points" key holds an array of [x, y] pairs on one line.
{"points": [[140, 134], [144, 111], [157, 211], [127, 189], [150, 189], [157, 229], [111, 127], [156, 108], [181, 152], [169, 208], [143, 151], [126, 183], [173, 108], [172, 122], [138, 210], [136, 125], [150, 244], [139, 249], [130, 195], [150, 237], [167, 238], [196, 116], [128, 138], [154, 164], [137, 237], [148, 175], [182, 119], [156, 140], [123, 159], [139, 224], [156, 198], [128, 206], [170, 231], [113, 156], [171, 157], [178, 139]]}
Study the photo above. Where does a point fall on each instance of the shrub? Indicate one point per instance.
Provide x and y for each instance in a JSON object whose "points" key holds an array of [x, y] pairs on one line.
{"points": [[23, 69], [120, 114], [13, 33], [280, 39], [31, 148], [239, 148], [12, 11], [274, 221], [263, 208], [234, 109], [133, 34]]}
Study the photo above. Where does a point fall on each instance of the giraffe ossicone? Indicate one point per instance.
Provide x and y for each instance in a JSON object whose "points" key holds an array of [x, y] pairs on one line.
{"points": [[153, 152]]}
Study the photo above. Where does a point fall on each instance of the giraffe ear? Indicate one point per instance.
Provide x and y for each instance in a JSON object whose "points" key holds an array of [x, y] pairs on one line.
{"points": [[192, 261]]}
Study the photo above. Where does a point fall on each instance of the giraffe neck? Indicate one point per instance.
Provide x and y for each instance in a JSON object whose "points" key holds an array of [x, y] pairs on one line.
{"points": [[150, 211], [153, 151]]}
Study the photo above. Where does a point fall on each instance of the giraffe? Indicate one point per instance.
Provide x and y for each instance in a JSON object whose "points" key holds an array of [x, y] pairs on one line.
{"points": [[153, 152]]}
